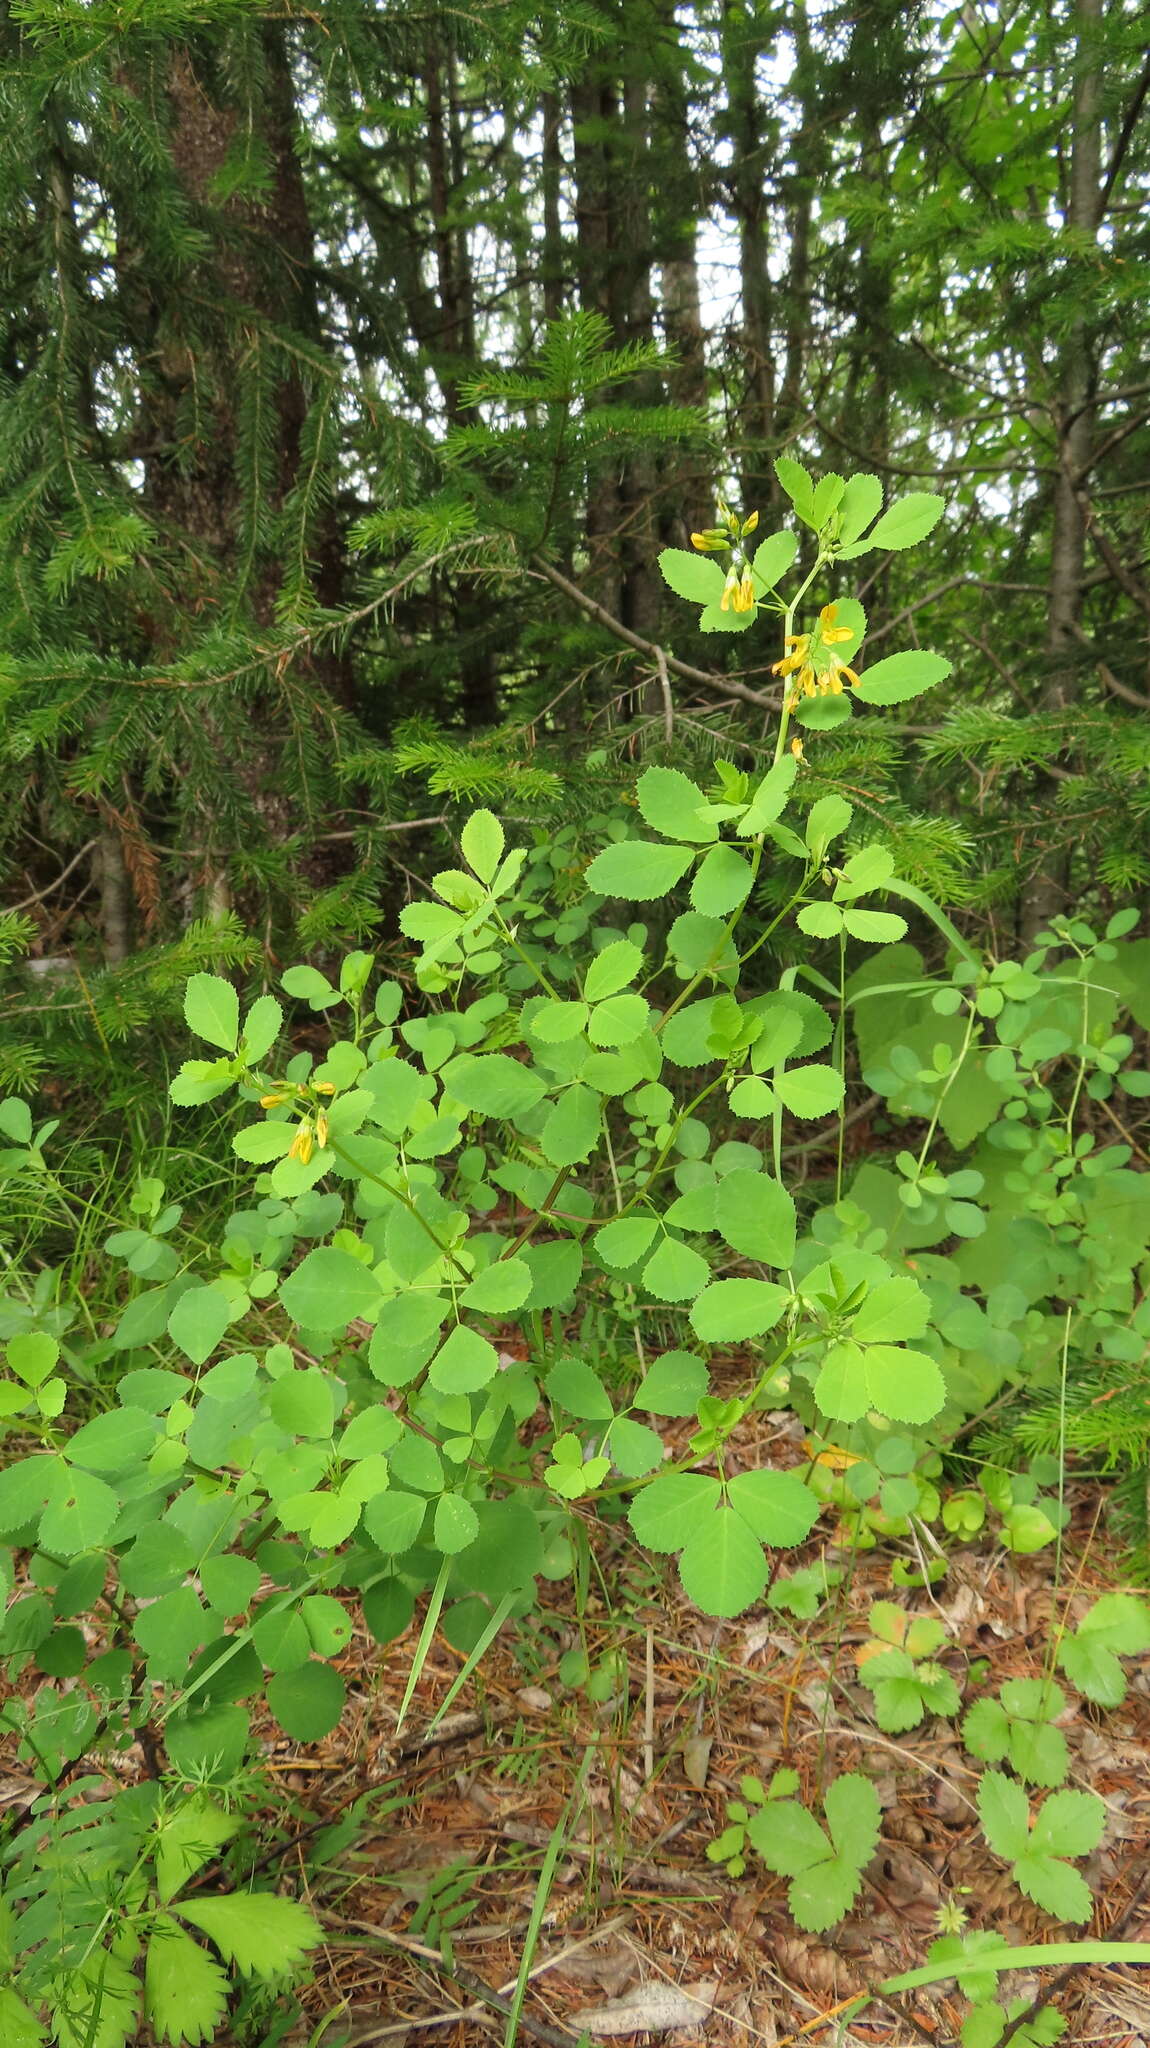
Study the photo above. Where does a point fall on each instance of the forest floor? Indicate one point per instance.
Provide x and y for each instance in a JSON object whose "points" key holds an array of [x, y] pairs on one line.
{"points": [[426, 1891], [428, 1912]]}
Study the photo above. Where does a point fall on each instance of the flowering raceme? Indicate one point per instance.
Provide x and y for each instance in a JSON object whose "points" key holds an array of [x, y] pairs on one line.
{"points": [[827, 680]]}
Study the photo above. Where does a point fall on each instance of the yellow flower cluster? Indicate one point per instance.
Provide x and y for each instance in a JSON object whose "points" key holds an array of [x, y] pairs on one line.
{"points": [[797, 662], [312, 1129], [739, 588]]}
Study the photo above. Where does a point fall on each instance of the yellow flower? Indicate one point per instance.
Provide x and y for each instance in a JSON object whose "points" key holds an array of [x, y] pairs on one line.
{"points": [[750, 524], [797, 749], [303, 1144], [321, 1129], [795, 657], [325, 1087], [744, 598], [829, 633], [730, 589], [271, 1101], [712, 540]]}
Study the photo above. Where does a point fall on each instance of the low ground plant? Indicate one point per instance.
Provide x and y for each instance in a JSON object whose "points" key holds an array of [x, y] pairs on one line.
{"points": [[508, 1209]]}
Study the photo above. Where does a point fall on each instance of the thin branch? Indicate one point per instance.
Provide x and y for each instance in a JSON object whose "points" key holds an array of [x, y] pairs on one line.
{"points": [[39, 894], [725, 685]]}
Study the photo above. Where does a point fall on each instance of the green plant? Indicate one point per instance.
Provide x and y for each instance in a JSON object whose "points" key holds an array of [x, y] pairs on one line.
{"points": [[1117, 1625], [1037, 1846], [1018, 1728], [898, 1667], [825, 1865]]}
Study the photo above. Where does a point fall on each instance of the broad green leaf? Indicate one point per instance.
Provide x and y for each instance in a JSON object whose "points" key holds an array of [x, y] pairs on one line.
{"points": [[620, 1019], [230, 1583], [820, 920], [901, 676], [482, 841], [79, 1516], [308, 985], [261, 1143], [27, 1487], [186, 1839], [788, 1838], [198, 1321], [556, 1023], [877, 927], [1004, 1810], [756, 1217], [860, 503], [500, 1287], [810, 1091], [777, 1506], [730, 1310], [670, 802], [113, 1442], [773, 557], [555, 1269], [722, 882], [185, 1992], [894, 1309], [635, 1449], [262, 1027], [638, 870], [612, 970], [673, 1384], [671, 1509], [329, 1289], [821, 714], [722, 1565], [574, 1126], [328, 1624], [907, 1386], [769, 800], [674, 1272], [575, 1386], [493, 1084], [854, 1817], [686, 1036], [826, 820], [1069, 1824], [303, 1402], [466, 1362], [715, 620], [393, 1520], [212, 1010], [263, 1936], [692, 576], [751, 1098], [456, 1524], [1055, 1886], [170, 1632], [623, 1243], [907, 521], [1121, 1621], [307, 1701], [797, 483]]}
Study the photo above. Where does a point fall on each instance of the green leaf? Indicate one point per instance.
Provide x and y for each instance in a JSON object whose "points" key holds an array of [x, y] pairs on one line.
{"points": [[187, 1837], [308, 985], [556, 1023], [465, 1363], [1069, 1824], [16, 1120], [788, 1838], [797, 484], [673, 1384], [723, 881], [691, 576], [493, 1084], [907, 1386], [574, 1126], [901, 676], [212, 1010], [826, 820], [1004, 1810], [113, 1442], [572, 1384], [670, 802], [262, 1027], [877, 927], [328, 1624], [907, 521], [722, 1566], [674, 1272], [638, 870], [456, 1524], [329, 1288], [773, 557], [482, 841], [893, 1309], [854, 1817], [79, 1516], [500, 1287], [769, 800], [307, 1701], [859, 504], [810, 1091], [263, 1936], [612, 970], [619, 1020], [185, 1992], [27, 1487], [820, 920], [730, 1310], [671, 1509], [635, 1449], [1054, 1886], [777, 1506], [756, 1217], [261, 1143], [170, 1632], [555, 1267], [393, 1520], [303, 1402], [230, 1583], [623, 1243], [198, 1322]]}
